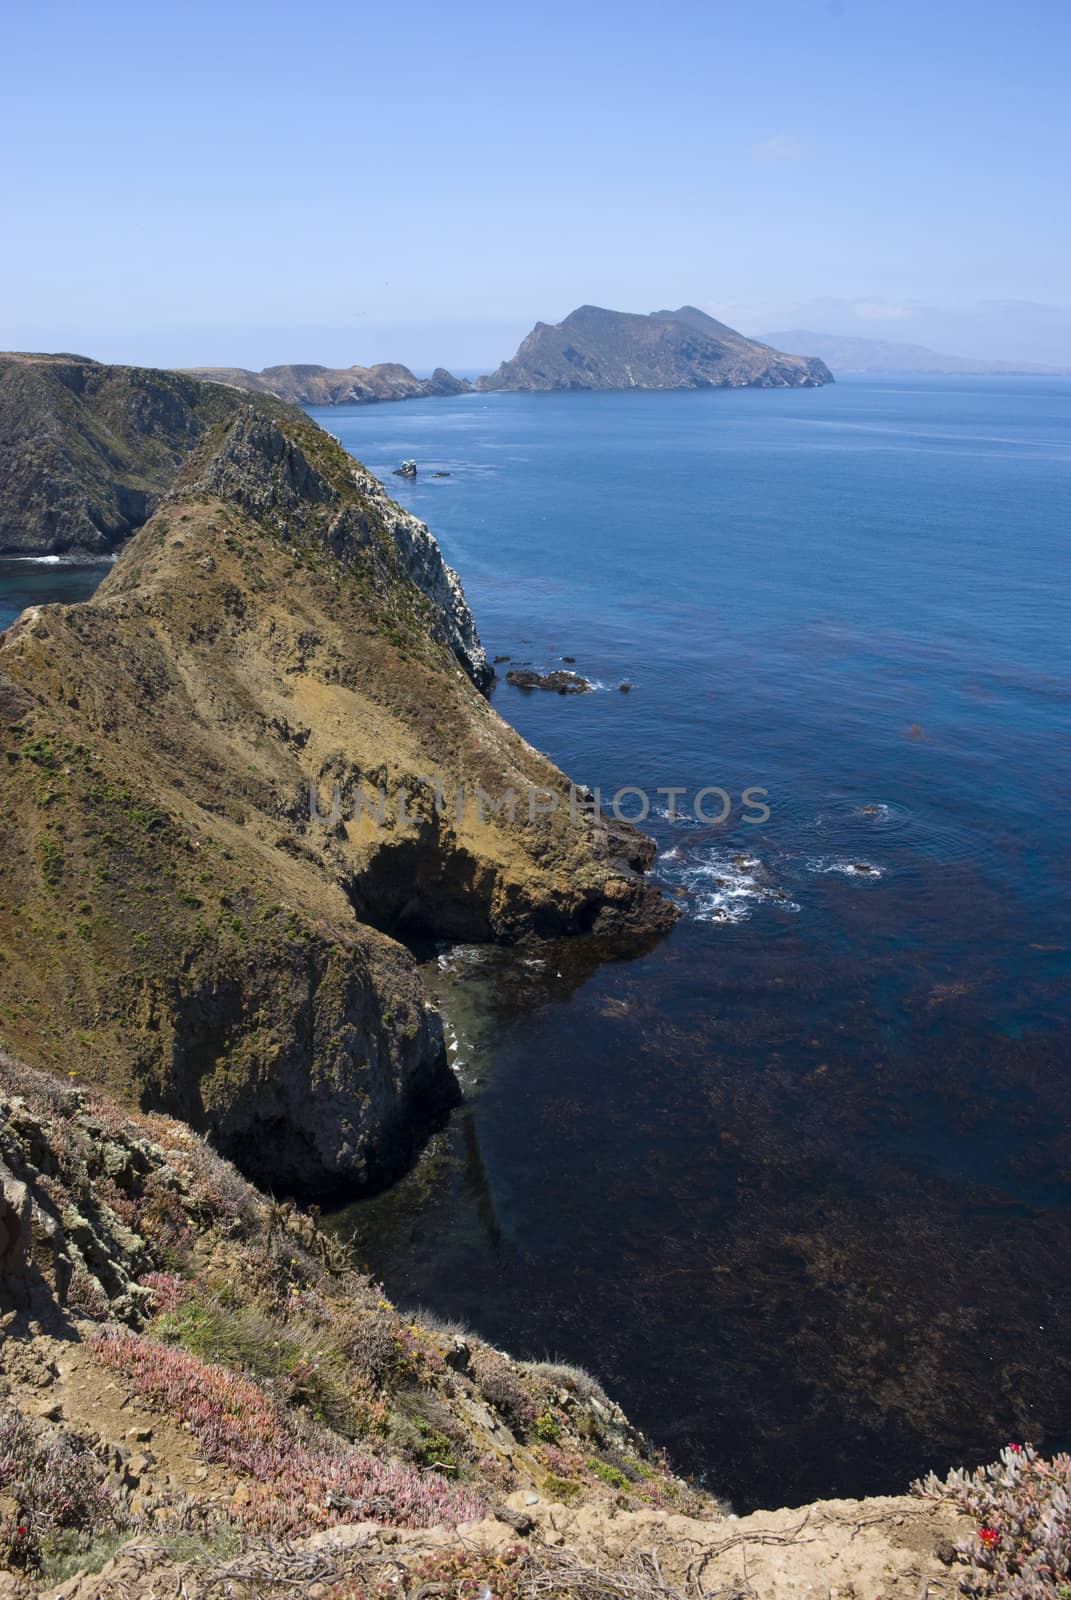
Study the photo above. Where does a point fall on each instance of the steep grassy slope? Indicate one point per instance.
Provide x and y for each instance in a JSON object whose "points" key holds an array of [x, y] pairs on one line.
{"points": [[87, 450], [173, 921]]}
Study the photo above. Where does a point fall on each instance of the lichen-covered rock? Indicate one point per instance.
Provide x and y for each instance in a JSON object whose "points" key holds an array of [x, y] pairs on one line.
{"points": [[15, 1239]]}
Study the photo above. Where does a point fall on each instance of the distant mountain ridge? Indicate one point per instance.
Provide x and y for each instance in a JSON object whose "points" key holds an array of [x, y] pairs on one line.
{"points": [[684, 349], [309, 385], [844, 353]]}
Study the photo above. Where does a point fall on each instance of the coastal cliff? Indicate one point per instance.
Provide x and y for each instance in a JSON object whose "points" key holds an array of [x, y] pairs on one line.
{"points": [[685, 349], [86, 450], [310, 385], [180, 922]]}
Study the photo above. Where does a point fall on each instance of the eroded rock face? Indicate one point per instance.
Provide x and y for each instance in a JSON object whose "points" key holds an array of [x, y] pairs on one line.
{"points": [[15, 1239], [193, 930]]}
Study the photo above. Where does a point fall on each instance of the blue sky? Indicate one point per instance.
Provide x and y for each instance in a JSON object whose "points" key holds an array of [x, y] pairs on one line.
{"points": [[252, 183]]}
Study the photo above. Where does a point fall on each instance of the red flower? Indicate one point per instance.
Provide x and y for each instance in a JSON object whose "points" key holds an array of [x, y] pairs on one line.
{"points": [[1015, 1447], [989, 1536]]}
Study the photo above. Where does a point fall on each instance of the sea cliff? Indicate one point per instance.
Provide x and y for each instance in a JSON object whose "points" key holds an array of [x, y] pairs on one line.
{"points": [[86, 450], [201, 956], [195, 909]]}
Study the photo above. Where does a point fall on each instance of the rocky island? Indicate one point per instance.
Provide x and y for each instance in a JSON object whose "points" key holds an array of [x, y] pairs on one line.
{"points": [[309, 385], [684, 349]]}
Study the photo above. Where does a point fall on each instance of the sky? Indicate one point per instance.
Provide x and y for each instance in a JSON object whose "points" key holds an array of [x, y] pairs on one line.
{"points": [[243, 183]]}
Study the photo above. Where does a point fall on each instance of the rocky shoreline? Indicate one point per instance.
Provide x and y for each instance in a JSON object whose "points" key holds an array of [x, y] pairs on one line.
{"points": [[310, 385]]}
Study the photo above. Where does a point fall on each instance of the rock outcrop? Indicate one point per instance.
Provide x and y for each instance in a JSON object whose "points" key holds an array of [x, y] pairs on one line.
{"points": [[559, 681], [685, 349], [178, 920], [86, 450], [309, 385]]}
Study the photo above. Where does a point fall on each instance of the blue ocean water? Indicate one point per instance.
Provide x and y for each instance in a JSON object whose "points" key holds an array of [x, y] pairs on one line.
{"points": [[795, 1182]]}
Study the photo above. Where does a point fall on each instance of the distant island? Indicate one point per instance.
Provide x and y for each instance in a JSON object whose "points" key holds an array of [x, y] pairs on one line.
{"points": [[685, 349], [309, 385], [842, 353]]}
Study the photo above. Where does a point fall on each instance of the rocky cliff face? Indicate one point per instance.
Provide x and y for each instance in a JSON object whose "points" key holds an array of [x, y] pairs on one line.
{"points": [[685, 349], [176, 922], [87, 450], [309, 385]]}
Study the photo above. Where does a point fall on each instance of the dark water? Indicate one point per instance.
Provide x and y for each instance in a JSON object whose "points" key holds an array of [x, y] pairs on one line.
{"points": [[27, 581], [796, 1183]]}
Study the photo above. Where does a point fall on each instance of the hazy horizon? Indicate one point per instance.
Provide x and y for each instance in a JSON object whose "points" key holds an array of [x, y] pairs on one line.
{"points": [[243, 186], [1021, 332]]}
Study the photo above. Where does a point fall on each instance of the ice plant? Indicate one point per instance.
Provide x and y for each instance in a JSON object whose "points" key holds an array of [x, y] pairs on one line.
{"points": [[1021, 1507], [298, 1483], [48, 1482]]}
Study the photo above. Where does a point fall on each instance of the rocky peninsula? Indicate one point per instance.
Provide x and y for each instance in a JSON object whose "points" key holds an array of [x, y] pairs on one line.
{"points": [[219, 792], [685, 349]]}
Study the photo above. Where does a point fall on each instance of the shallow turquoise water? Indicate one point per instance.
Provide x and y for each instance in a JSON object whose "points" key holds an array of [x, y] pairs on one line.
{"points": [[796, 1182]]}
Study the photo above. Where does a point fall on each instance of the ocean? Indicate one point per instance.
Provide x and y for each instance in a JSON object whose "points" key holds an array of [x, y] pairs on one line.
{"points": [[795, 1181]]}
